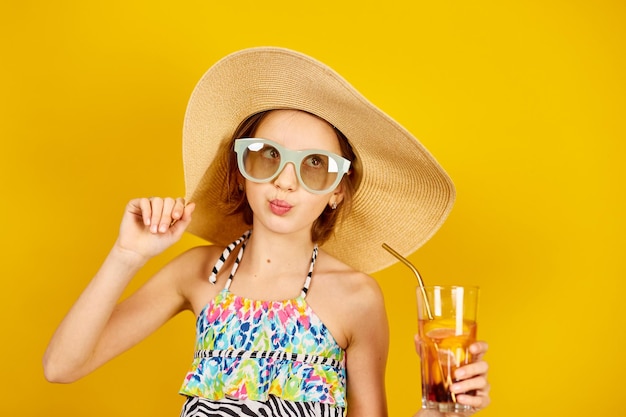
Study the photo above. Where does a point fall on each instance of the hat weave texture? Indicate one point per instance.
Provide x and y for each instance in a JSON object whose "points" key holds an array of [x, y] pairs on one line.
{"points": [[404, 195]]}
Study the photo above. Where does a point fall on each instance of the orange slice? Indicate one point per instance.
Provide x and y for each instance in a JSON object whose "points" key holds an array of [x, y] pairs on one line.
{"points": [[440, 334]]}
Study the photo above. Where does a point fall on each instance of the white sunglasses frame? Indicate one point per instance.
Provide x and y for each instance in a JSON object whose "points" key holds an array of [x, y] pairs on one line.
{"points": [[287, 156]]}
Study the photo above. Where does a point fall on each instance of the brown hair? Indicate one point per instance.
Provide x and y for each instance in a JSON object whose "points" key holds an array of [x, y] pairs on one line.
{"points": [[234, 198]]}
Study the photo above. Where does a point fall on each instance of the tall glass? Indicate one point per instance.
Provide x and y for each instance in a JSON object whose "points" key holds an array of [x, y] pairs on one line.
{"points": [[447, 327]]}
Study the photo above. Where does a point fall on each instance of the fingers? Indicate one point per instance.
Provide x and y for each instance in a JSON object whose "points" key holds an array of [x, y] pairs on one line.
{"points": [[468, 374], [160, 214], [182, 218], [473, 392], [478, 366], [471, 370], [471, 386], [472, 379], [418, 344], [146, 210], [478, 401], [478, 349], [187, 211], [179, 209]]}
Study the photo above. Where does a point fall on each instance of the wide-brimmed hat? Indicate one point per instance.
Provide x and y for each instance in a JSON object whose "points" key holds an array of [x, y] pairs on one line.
{"points": [[404, 195]]}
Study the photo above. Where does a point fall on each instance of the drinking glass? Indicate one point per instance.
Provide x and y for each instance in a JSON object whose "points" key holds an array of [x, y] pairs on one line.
{"points": [[447, 327]]}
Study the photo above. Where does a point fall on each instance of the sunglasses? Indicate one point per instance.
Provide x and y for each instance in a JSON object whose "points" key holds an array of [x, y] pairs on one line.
{"points": [[261, 160]]}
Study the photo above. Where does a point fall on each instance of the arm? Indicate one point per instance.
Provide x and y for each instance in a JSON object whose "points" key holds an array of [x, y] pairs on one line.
{"points": [[96, 328], [366, 355]]}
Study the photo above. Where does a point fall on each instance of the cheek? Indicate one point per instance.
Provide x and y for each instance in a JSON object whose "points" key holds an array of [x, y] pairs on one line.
{"points": [[317, 204], [254, 193]]}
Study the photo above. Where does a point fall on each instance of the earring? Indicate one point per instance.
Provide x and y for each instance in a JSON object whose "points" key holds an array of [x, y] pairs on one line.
{"points": [[334, 205], [240, 187]]}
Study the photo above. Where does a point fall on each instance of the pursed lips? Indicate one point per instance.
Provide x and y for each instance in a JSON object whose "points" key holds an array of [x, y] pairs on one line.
{"points": [[280, 207]]}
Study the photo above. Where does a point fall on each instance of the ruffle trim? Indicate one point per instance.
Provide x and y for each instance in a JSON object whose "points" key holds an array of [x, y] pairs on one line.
{"points": [[257, 375]]}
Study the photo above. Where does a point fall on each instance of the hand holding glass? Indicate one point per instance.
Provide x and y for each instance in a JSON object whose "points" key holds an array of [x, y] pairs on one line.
{"points": [[447, 328]]}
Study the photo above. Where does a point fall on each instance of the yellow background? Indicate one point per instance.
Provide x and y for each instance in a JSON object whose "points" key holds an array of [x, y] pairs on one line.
{"points": [[522, 102]]}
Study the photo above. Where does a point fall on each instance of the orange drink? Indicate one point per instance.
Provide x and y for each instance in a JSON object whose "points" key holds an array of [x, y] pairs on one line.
{"points": [[447, 327]]}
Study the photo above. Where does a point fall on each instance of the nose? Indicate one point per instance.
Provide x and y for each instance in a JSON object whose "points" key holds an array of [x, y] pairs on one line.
{"points": [[287, 178]]}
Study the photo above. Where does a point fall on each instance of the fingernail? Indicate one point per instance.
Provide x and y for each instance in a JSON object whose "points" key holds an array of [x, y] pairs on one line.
{"points": [[163, 228], [459, 373], [153, 228], [455, 388]]}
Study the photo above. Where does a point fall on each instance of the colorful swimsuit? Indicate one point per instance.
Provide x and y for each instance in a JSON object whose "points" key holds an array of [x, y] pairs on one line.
{"points": [[265, 358]]}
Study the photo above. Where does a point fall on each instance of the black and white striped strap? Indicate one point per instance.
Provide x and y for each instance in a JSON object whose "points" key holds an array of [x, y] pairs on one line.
{"points": [[220, 262], [307, 282], [275, 355]]}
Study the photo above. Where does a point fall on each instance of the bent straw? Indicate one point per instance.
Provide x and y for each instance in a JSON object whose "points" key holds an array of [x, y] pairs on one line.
{"points": [[417, 275], [448, 380], [405, 261]]}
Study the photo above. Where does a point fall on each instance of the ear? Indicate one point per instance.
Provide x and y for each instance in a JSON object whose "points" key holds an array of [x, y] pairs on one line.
{"points": [[241, 181], [336, 198]]}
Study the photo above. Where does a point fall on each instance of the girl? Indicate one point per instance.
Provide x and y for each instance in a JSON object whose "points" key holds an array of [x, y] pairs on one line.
{"points": [[297, 180]]}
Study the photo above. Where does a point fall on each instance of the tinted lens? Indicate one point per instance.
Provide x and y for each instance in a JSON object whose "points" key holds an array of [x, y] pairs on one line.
{"points": [[261, 160], [318, 171]]}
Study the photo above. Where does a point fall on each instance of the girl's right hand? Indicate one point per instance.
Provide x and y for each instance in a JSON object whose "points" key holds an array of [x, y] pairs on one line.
{"points": [[151, 225]]}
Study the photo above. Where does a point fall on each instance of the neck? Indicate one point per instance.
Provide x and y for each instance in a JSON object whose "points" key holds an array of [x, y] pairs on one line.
{"points": [[277, 252]]}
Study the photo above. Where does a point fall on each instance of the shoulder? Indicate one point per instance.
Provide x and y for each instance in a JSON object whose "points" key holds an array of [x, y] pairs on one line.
{"points": [[192, 269], [354, 286], [354, 298], [191, 262], [198, 257]]}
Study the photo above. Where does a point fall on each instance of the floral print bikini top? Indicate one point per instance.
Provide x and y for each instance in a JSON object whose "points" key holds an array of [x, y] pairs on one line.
{"points": [[250, 349]]}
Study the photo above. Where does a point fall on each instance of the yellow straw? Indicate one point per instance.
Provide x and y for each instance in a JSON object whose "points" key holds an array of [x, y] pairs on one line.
{"points": [[417, 275]]}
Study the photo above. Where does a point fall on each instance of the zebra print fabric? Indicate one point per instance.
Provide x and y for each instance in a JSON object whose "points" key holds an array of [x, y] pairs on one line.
{"points": [[275, 355], [273, 407], [220, 262]]}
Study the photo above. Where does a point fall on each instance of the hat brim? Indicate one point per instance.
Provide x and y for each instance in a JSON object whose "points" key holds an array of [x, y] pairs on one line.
{"points": [[404, 195]]}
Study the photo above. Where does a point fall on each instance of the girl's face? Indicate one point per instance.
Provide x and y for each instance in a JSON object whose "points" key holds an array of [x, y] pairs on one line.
{"points": [[283, 205]]}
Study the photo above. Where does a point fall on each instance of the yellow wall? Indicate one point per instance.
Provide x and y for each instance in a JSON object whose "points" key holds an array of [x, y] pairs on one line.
{"points": [[522, 102]]}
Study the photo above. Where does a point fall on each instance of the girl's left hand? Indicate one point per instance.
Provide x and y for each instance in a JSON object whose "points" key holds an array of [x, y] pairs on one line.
{"points": [[470, 377], [473, 377]]}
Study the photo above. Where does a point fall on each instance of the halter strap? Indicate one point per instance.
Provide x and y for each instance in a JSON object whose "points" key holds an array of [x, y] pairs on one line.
{"points": [[307, 281], [220, 262], [243, 240]]}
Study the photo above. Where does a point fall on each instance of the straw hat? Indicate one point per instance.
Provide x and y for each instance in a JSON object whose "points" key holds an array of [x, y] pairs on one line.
{"points": [[404, 194]]}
